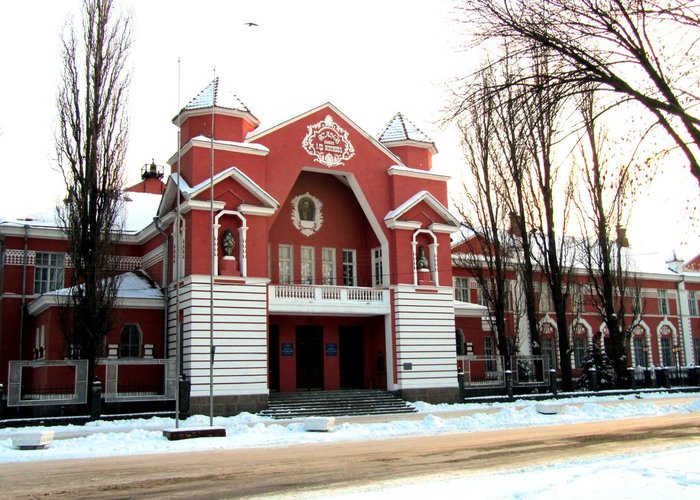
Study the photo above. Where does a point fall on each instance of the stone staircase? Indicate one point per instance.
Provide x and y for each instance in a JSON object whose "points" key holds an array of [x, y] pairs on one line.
{"points": [[334, 404]]}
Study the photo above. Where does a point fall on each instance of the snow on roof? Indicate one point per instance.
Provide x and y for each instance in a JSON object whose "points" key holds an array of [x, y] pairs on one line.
{"points": [[138, 210], [132, 285], [401, 129], [245, 145], [217, 95]]}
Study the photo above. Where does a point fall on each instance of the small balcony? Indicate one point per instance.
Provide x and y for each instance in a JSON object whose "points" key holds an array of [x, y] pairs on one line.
{"points": [[328, 300]]}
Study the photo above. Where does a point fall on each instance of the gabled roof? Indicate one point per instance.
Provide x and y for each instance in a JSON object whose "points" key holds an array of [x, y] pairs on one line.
{"points": [[421, 197], [260, 133], [267, 201]]}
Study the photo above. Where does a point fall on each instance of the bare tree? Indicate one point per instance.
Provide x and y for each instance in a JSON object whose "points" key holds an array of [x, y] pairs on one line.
{"points": [[552, 195], [604, 206], [484, 215], [642, 50], [91, 142]]}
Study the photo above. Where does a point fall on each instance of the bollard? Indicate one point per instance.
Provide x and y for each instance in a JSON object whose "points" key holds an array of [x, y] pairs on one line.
{"points": [[184, 387], [96, 399], [553, 386], [509, 383], [594, 378], [632, 382]]}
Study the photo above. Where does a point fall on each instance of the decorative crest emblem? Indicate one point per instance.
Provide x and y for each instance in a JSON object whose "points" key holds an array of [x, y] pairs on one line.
{"points": [[328, 143]]}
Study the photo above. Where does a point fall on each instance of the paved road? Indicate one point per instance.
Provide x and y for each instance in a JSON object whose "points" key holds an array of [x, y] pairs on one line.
{"points": [[261, 471]]}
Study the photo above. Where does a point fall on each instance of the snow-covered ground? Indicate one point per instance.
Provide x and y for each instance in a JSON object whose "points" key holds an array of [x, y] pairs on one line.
{"points": [[671, 473]]}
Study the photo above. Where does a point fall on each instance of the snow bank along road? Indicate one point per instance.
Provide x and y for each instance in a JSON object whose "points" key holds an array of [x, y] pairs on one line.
{"points": [[308, 467]]}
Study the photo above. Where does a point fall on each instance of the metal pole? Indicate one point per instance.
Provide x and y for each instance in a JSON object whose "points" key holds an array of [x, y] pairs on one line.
{"points": [[176, 254], [211, 271]]}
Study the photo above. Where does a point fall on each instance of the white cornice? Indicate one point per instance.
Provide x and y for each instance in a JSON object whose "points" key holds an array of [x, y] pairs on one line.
{"points": [[437, 227], [256, 210], [236, 113], [401, 224], [414, 172], [412, 143], [234, 147], [200, 205]]}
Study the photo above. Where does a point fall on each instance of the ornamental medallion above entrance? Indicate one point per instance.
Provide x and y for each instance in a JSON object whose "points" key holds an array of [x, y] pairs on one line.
{"points": [[328, 143], [307, 215]]}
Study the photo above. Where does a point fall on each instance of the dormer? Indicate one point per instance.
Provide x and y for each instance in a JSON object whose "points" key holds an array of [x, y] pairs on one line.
{"points": [[233, 120], [409, 143]]}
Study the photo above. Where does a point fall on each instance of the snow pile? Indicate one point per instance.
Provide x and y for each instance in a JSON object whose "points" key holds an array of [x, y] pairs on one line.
{"points": [[131, 437]]}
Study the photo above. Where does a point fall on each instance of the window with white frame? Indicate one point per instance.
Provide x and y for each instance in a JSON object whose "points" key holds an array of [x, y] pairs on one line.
{"points": [[545, 303], [666, 351], [48, 271], [577, 298], [349, 268], [462, 289], [663, 302], [130, 342], [308, 265], [640, 352], [579, 351], [692, 303], [285, 262], [328, 266], [482, 297], [377, 267], [489, 351], [547, 344]]}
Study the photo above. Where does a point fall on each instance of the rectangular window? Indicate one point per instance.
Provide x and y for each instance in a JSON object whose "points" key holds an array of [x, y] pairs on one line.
{"points": [[692, 304], [666, 352], [577, 298], [462, 289], [545, 298], [286, 268], [663, 302], [308, 265], [48, 272], [349, 271], [696, 346], [548, 353], [640, 355], [377, 267], [328, 265], [488, 351], [579, 351], [482, 297]]}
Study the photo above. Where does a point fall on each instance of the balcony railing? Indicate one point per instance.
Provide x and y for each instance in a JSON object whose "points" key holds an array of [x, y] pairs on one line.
{"points": [[325, 299]]}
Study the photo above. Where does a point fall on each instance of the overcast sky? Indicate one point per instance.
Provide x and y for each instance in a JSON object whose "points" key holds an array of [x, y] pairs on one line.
{"points": [[370, 58]]}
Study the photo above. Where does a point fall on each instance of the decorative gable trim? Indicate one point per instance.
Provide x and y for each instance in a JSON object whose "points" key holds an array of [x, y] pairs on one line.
{"points": [[392, 218]]}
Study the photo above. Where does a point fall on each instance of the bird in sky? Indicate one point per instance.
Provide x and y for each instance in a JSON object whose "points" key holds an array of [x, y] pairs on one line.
{"points": [[251, 24]]}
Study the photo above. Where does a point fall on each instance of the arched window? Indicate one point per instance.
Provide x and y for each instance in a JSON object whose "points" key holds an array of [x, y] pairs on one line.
{"points": [[130, 342]]}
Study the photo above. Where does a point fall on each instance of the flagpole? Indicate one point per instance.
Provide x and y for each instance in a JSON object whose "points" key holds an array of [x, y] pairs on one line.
{"points": [[211, 275], [178, 339]]}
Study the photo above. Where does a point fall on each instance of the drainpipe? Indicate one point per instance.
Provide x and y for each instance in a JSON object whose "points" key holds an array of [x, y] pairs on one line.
{"points": [[24, 288], [166, 259]]}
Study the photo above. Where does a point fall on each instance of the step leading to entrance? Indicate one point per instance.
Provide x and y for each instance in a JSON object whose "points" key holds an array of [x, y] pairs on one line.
{"points": [[334, 404]]}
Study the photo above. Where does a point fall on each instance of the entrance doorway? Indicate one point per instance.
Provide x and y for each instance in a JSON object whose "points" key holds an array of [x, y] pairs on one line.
{"points": [[309, 340], [352, 357]]}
